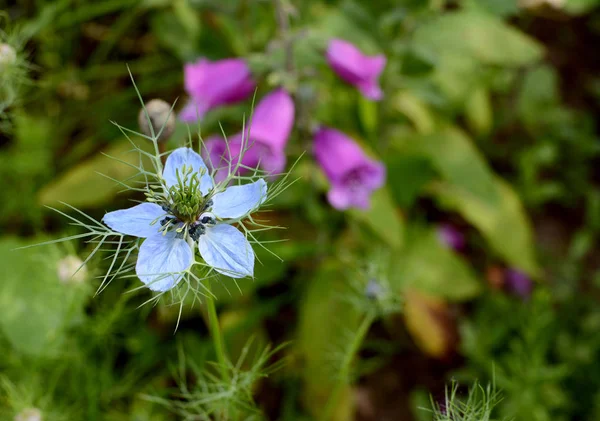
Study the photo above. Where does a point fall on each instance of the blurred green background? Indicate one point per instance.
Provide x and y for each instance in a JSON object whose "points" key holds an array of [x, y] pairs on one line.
{"points": [[488, 132]]}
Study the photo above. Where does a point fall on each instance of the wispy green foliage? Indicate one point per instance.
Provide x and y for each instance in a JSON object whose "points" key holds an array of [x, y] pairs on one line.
{"points": [[487, 123], [477, 405]]}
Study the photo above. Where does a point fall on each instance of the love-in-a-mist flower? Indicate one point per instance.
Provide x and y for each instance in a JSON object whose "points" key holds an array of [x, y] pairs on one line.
{"points": [[356, 68], [190, 211], [353, 175], [264, 147], [212, 84]]}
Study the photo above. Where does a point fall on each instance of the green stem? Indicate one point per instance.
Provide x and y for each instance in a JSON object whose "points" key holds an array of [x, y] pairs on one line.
{"points": [[215, 333], [344, 375]]}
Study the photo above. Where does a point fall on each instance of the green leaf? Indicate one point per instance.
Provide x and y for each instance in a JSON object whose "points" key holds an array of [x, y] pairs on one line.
{"points": [[325, 322], [463, 43], [167, 27], [478, 112], [539, 97], [367, 112], [477, 35], [36, 306], [431, 267], [383, 218], [504, 224], [416, 110], [455, 157], [407, 176], [333, 24], [502, 8], [82, 186], [579, 7]]}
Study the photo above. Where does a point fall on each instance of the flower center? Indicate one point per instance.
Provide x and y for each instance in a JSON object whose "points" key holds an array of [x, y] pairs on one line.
{"points": [[354, 180], [186, 200]]}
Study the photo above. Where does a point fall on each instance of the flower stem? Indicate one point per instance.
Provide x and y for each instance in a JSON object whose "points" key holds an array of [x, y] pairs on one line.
{"points": [[216, 334], [281, 14], [344, 374]]}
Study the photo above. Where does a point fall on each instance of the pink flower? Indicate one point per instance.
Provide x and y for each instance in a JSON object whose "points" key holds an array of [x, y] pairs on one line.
{"points": [[518, 283], [269, 130], [355, 68], [211, 84], [451, 237], [352, 174]]}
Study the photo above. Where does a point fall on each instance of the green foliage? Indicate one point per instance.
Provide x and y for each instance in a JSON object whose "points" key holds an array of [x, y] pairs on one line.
{"points": [[478, 405], [488, 123]]}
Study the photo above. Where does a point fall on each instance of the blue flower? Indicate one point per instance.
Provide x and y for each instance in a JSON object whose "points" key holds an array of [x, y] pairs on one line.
{"points": [[189, 211]]}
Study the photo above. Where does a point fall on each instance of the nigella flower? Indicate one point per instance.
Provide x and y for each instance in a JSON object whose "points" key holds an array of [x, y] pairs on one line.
{"points": [[352, 174], [355, 68], [451, 237], [269, 131], [190, 211], [211, 84]]}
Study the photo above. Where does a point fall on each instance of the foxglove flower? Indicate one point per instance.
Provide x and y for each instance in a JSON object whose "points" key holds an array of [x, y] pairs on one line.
{"points": [[352, 174], [270, 129], [355, 68], [518, 283], [191, 211], [451, 237], [212, 84]]}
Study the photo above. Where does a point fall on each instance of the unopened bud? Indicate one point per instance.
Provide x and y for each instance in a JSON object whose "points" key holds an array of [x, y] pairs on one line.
{"points": [[160, 115], [67, 270], [8, 55], [29, 414]]}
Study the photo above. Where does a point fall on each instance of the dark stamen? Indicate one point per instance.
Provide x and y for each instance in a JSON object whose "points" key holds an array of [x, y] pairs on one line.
{"points": [[196, 231]]}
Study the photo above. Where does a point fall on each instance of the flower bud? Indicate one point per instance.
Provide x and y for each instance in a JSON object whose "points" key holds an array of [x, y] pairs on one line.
{"points": [[67, 270], [29, 414], [160, 115], [8, 56]]}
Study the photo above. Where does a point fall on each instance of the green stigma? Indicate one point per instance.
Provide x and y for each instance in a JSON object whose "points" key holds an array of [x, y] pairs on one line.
{"points": [[187, 201]]}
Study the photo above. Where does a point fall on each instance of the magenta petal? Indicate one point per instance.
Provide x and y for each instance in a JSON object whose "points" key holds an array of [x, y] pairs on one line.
{"points": [[370, 90], [356, 68], [215, 152], [352, 174], [342, 198], [518, 283], [211, 84], [192, 111], [451, 237], [273, 119], [346, 60], [337, 153], [375, 65]]}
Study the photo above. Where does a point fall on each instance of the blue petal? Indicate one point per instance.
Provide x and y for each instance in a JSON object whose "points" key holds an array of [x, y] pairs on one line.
{"points": [[186, 156], [226, 249], [161, 260], [136, 220], [238, 201]]}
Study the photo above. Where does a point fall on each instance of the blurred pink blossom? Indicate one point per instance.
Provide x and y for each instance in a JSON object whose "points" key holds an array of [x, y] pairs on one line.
{"points": [[269, 131], [356, 68], [450, 236], [211, 84], [352, 174]]}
